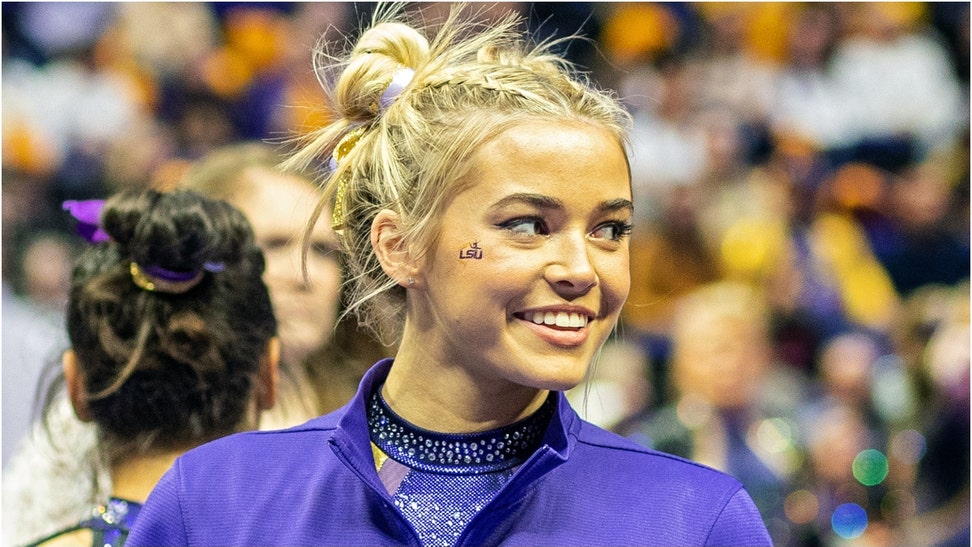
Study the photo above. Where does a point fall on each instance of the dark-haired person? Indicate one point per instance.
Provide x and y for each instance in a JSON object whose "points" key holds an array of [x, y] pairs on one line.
{"points": [[173, 340], [483, 198], [321, 362]]}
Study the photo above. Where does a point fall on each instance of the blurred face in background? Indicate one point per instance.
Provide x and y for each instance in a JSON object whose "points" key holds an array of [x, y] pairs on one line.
{"points": [[723, 363], [47, 264], [720, 347], [279, 206]]}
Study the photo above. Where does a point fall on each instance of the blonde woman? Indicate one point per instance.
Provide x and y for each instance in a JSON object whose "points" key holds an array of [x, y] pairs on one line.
{"points": [[483, 200]]}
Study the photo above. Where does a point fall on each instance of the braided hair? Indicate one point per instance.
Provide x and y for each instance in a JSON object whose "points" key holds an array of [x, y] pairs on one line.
{"points": [[471, 82]]}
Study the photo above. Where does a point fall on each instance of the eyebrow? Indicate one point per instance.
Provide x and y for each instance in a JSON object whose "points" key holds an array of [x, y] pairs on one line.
{"points": [[619, 204], [547, 202]]}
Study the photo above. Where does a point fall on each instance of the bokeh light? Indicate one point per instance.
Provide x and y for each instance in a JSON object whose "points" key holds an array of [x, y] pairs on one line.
{"points": [[898, 505], [908, 446], [849, 520], [801, 507], [870, 467], [774, 435], [892, 389]]}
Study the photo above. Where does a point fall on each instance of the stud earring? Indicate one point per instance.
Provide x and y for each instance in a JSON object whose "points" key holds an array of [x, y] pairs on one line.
{"points": [[411, 281]]}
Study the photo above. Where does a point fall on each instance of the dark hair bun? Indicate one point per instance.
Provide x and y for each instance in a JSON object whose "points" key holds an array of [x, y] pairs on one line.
{"points": [[170, 368], [179, 231]]}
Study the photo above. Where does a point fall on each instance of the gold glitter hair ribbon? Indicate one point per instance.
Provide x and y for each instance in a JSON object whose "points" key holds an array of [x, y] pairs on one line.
{"points": [[156, 279], [400, 80], [343, 148]]}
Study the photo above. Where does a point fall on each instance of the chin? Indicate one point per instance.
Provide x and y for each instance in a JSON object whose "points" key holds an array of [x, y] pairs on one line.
{"points": [[562, 380], [562, 386]]}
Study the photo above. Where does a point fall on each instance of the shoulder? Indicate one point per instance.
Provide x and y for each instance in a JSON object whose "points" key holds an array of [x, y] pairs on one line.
{"points": [[257, 466], [612, 453], [666, 499], [279, 443]]}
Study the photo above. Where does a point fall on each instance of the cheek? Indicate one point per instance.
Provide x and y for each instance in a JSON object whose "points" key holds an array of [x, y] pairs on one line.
{"points": [[324, 269], [615, 278], [489, 281], [282, 261], [324, 275]]}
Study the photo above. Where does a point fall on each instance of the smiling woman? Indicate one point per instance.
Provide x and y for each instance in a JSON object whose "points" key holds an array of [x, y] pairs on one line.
{"points": [[548, 251], [482, 197]]}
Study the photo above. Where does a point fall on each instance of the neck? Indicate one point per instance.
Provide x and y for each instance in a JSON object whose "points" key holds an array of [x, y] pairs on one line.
{"points": [[449, 398], [135, 477]]}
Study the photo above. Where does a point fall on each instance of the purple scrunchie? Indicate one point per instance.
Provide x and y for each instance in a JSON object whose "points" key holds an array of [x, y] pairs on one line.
{"points": [[178, 277], [400, 79], [88, 215]]}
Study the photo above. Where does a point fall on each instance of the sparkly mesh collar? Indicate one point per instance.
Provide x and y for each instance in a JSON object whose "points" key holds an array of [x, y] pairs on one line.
{"points": [[455, 453]]}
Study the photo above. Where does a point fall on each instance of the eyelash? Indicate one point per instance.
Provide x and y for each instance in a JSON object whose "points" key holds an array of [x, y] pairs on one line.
{"points": [[538, 222], [621, 228], [322, 249]]}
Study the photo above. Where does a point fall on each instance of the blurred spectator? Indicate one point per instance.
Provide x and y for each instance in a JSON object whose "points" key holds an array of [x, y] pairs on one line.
{"points": [[68, 102], [616, 387], [808, 105], [923, 249], [323, 355], [896, 79], [670, 257], [729, 409], [35, 288], [45, 269], [828, 504], [32, 338], [669, 140], [942, 480]]}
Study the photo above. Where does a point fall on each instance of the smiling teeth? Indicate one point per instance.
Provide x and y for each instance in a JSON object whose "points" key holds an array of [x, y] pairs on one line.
{"points": [[560, 319]]}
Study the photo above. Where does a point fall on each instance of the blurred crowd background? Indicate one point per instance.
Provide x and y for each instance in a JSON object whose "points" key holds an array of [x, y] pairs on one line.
{"points": [[799, 314]]}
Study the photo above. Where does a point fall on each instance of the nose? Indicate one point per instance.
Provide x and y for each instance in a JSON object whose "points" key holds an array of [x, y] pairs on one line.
{"points": [[571, 271]]}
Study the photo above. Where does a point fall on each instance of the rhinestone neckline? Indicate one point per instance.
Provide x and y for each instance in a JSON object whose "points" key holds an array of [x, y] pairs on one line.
{"points": [[455, 453]]}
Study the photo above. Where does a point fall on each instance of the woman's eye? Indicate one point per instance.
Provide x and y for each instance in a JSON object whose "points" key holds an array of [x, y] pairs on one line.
{"points": [[323, 248], [275, 243], [613, 231], [528, 226]]}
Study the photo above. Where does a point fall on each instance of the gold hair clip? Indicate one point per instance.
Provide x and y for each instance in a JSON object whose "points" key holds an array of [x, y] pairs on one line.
{"points": [[161, 280], [343, 148]]}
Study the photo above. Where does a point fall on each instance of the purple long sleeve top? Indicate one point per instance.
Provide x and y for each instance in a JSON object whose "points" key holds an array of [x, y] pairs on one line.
{"points": [[316, 484]]}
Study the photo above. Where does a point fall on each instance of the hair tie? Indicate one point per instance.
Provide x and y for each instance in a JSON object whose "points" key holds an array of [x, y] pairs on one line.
{"points": [[88, 215], [399, 81], [150, 278], [158, 279]]}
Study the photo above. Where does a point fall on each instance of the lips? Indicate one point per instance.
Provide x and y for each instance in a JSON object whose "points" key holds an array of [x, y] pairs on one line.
{"points": [[562, 328]]}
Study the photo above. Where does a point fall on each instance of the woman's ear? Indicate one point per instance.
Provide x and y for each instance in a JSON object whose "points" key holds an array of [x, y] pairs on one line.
{"points": [[390, 248], [75, 385], [269, 375]]}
